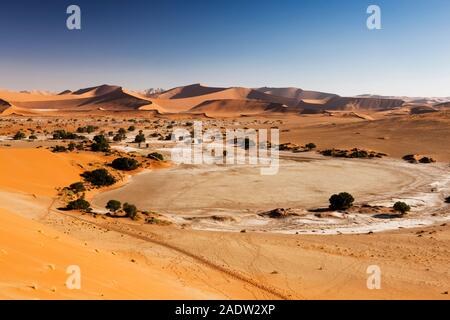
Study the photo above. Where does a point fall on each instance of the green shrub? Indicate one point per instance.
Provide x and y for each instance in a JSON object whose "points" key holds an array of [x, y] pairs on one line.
{"points": [[310, 146], [19, 135], [71, 146], [113, 205], [87, 129], [99, 177], [359, 154], [156, 156], [119, 137], [79, 204], [427, 160], [77, 187], [130, 210], [131, 128], [401, 207], [100, 144], [125, 164], [64, 135], [341, 201], [410, 158], [59, 149], [139, 138]]}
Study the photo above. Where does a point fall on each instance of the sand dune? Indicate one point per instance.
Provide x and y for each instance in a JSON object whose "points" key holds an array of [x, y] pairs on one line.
{"points": [[189, 91], [349, 103], [443, 106], [184, 104], [34, 257], [34, 260], [236, 108], [4, 105], [182, 99], [33, 170], [395, 135], [299, 94], [103, 97], [97, 91], [422, 109]]}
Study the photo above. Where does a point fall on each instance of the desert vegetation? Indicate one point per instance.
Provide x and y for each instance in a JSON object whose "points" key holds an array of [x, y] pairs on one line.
{"points": [[19, 135], [66, 135], [87, 129], [353, 153], [401, 207], [100, 144], [130, 210], [125, 164], [295, 147], [414, 158], [341, 201], [99, 177], [77, 187], [140, 137], [79, 204], [113, 205]]}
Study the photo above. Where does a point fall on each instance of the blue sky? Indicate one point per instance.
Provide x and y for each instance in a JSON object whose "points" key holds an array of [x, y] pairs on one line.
{"points": [[315, 44]]}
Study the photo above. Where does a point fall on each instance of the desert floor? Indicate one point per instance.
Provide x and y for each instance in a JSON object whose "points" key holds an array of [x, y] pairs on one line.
{"points": [[120, 258]]}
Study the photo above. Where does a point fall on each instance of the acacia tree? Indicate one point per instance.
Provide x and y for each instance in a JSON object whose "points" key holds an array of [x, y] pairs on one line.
{"points": [[113, 205], [341, 201], [401, 207]]}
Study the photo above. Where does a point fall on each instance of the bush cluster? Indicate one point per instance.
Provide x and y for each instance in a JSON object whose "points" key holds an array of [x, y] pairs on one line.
{"points": [[99, 177], [125, 164], [341, 201]]}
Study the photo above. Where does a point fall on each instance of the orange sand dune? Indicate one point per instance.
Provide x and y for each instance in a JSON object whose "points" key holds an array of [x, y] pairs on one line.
{"points": [[96, 91], [13, 96], [232, 108], [34, 257], [104, 97], [184, 104], [34, 260], [189, 91], [299, 94], [349, 103], [39, 171], [4, 106]]}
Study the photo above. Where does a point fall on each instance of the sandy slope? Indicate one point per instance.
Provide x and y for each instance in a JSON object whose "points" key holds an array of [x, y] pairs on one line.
{"points": [[299, 94], [34, 257], [236, 108], [188, 91], [34, 260], [181, 99], [38, 171], [104, 97], [184, 104], [397, 136], [171, 262]]}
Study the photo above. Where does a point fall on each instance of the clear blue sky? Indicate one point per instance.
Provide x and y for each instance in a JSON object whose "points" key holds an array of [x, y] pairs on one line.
{"points": [[317, 44]]}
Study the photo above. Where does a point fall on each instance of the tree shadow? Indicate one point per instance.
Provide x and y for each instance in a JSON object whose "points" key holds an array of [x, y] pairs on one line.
{"points": [[387, 216]]}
